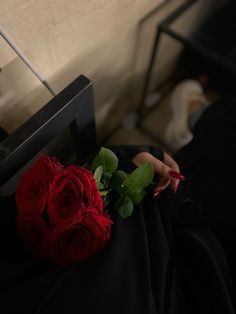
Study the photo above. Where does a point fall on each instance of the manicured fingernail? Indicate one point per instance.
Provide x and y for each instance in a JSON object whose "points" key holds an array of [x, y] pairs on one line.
{"points": [[157, 192], [176, 175], [176, 188]]}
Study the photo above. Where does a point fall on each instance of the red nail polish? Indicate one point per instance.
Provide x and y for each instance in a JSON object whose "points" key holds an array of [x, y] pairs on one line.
{"points": [[157, 192], [176, 175]]}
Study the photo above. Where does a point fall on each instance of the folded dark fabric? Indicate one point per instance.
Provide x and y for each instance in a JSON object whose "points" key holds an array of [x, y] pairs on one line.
{"points": [[148, 267]]}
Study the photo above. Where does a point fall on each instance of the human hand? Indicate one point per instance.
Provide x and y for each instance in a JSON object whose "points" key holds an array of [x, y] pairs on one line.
{"points": [[168, 171]]}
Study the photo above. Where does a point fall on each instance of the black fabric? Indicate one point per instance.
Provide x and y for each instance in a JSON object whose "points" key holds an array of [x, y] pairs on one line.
{"points": [[208, 162], [142, 270], [3, 134], [135, 273], [162, 259]]}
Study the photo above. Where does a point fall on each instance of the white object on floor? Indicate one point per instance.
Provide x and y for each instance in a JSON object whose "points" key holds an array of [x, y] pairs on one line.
{"points": [[177, 133]]}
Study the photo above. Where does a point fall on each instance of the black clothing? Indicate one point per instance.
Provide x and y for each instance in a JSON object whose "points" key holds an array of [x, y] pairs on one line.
{"points": [[209, 164], [3, 134], [163, 259]]}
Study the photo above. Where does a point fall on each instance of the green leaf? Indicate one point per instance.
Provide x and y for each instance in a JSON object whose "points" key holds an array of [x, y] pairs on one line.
{"points": [[98, 174], [138, 196], [100, 186], [139, 179], [107, 159], [117, 180], [106, 176], [124, 207]]}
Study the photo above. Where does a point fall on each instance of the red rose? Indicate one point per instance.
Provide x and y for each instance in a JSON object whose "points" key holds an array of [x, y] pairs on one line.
{"points": [[35, 235], [34, 185], [73, 191], [81, 238], [60, 212]]}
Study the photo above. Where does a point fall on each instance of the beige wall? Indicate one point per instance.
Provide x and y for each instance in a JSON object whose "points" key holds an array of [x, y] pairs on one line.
{"points": [[107, 40], [63, 39]]}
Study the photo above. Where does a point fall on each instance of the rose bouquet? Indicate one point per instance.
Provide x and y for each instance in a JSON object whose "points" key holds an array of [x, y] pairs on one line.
{"points": [[64, 213]]}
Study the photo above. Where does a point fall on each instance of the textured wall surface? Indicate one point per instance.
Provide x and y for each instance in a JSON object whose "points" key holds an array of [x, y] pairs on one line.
{"points": [[63, 39]]}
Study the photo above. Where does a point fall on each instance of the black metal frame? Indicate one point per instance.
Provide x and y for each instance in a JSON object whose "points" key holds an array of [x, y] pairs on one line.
{"points": [[164, 28], [73, 107], [161, 28]]}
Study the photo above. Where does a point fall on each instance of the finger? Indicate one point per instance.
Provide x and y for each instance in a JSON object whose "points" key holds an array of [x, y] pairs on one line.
{"points": [[159, 167], [141, 158], [168, 170], [162, 169], [162, 184], [175, 167], [168, 160]]}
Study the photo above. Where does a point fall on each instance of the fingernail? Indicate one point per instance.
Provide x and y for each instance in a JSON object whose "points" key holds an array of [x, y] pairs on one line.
{"points": [[157, 192], [176, 175], [176, 188]]}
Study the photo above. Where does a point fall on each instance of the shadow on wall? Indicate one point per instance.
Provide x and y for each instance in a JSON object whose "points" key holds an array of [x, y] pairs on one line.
{"points": [[117, 79]]}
